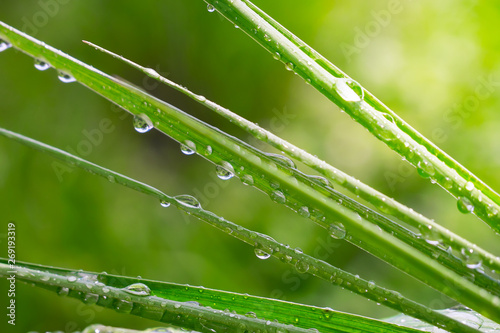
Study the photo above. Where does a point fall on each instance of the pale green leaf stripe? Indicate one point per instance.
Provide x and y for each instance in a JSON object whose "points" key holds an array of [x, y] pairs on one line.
{"points": [[248, 161], [430, 230], [197, 308], [368, 111], [263, 243]]}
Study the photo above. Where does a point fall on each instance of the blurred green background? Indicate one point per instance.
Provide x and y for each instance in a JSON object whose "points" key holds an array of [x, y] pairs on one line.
{"points": [[435, 63]]}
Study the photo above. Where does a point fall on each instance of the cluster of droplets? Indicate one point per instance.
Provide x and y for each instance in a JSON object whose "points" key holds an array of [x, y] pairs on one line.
{"points": [[142, 123]]}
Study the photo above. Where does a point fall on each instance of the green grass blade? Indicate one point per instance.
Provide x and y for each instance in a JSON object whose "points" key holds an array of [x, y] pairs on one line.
{"points": [[265, 246], [265, 173], [431, 230], [197, 308], [473, 194]]}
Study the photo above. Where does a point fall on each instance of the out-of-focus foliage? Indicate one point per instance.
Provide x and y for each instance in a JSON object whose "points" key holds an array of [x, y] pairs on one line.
{"points": [[435, 63]]}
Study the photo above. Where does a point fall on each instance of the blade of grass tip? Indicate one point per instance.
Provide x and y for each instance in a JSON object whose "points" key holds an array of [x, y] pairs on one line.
{"points": [[473, 194], [265, 246], [429, 228], [193, 307], [264, 172]]}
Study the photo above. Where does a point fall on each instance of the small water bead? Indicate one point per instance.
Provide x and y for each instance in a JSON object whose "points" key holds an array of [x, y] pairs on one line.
{"points": [[188, 201], [491, 211], [289, 66], [142, 123], [349, 90], [188, 147], [71, 278], [337, 230], [304, 211], [262, 252], [469, 186], [63, 291], [371, 285], [225, 171], [278, 196], [283, 160], [277, 56], [124, 306], [267, 38], [247, 180], [301, 266], [66, 78], [425, 169], [210, 8], [4, 45], [41, 65], [138, 289], [164, 203], [321, 180], [465, 205]]}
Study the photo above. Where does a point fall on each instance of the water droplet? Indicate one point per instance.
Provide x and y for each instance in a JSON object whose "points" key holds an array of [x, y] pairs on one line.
{"points": [[277, 56], [491, 211], [138, 289], [263, 252], [63, 291], [447, 183], [225, 170], [349, 90], [188, 147], [320, 180], [142, 123], [304, 211], [66, 78], [465, 205], [469, 186], [123, 306], [210, 8], [425, 169], [283, 160], [164, 203], [278, 196], [267, 38], [301, 266], [289, 66], [247, 180], [188, 201], [208, 150], [371, 285], [4, 45], [337, 230], [41, 65], [71, 278]]}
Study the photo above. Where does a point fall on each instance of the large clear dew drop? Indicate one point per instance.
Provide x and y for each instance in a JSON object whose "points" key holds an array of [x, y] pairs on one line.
{"points": [[187, 201], [138, 289], [263, 252], [465, 205], [164, 203], [4, 45], [142, 123], [41, 65], [210, 8], [337, 230], [188, 147], [349, 90], [225, 171], [65, 77], [283, 160]]}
